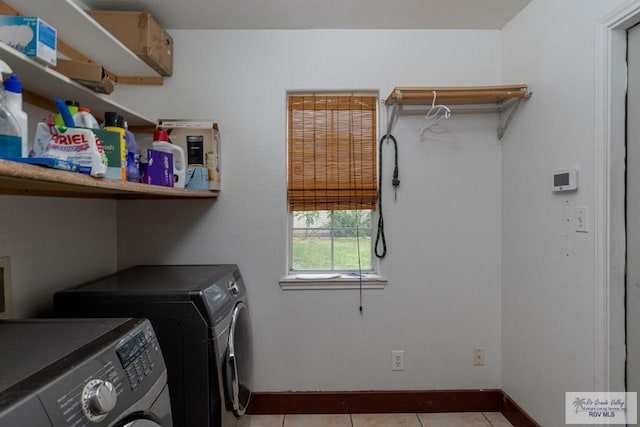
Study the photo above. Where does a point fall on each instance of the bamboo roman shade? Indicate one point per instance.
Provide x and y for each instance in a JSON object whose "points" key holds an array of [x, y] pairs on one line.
{"points": [[332, 152]]}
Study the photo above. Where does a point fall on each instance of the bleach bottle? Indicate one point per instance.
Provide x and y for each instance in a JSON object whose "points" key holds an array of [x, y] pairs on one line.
{"points": [[13, 96], [161, 143], [84, 119], [10, 132]]}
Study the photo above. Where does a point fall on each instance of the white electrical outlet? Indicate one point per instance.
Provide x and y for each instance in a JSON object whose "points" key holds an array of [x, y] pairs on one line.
{"points": [[478, 356], [397, 360]]}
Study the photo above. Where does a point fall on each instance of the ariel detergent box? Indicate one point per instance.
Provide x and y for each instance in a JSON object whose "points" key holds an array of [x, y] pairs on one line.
{"points": [[76, 146], [31, 36]]}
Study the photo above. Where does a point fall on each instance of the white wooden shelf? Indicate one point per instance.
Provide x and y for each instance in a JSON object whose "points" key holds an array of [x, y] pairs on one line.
{"points": [[50, 84], [76, 28], [29, 180]]}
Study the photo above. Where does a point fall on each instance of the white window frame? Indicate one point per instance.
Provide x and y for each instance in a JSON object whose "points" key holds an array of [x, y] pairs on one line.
{"points": [[325, 279]]}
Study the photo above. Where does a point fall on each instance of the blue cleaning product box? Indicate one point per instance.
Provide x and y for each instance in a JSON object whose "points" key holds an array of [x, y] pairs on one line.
{"points": [[31, 36], [49, 162], [197, 178]]}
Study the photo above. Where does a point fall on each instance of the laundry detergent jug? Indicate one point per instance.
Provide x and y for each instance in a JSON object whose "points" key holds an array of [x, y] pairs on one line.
{"points": [[161, 143]]}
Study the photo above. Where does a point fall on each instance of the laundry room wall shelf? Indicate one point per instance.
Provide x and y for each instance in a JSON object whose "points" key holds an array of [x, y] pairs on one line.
{"points": [[503, 98], [29, 180], [42, 84], [77, 29]]}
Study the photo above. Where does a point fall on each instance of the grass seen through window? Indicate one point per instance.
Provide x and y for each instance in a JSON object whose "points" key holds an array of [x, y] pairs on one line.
{"points": [[328, 240]]}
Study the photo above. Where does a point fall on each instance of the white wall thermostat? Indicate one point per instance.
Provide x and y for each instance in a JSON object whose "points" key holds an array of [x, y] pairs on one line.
{"points": [[565, 180]]}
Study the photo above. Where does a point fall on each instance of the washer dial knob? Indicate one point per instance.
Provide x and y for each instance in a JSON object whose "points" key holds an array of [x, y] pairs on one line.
{"points": [[99, 397]]}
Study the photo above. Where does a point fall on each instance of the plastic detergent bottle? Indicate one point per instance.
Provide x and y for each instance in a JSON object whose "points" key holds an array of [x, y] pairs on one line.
{"points": [[133, 155], [111, 124], [10, 133], [73, 109], [161, 143], [84, 119], [13, 95]]}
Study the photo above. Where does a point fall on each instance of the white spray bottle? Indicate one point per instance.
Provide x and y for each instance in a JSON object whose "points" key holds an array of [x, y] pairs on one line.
{"points": [[13, 101]]}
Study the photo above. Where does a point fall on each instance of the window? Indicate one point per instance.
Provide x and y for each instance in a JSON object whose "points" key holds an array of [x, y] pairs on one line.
{"points": [[332, 181]]}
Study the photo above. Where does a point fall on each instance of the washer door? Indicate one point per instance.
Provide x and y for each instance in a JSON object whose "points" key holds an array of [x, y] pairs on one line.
{"points": [[142, 423], [239, 361]]}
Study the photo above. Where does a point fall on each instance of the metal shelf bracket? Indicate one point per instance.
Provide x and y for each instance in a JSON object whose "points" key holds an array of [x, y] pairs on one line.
{"points": [[394, 111], [502, 128]]}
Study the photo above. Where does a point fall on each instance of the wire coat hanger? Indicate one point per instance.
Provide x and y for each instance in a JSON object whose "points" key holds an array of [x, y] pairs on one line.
{"points": [[437, 113]]}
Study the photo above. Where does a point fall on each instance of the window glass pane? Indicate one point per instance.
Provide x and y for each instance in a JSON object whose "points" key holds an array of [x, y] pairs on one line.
{"points": [[328, 240], [311, 251], [348, 223], [346, 253]]}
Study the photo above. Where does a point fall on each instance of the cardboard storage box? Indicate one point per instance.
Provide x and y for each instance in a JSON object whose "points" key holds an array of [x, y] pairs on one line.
{"points": [[31, 36], [90, 75], [200, 140], [141, 33]]}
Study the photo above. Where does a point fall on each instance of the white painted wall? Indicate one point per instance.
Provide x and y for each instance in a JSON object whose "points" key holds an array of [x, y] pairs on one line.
{"points": [[54, 242], [548, 299], [443, 265]]}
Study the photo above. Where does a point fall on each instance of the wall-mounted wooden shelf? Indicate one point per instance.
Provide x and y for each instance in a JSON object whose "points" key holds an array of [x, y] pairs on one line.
{"points": [[498, 96], [464, 95], [30, 180]]}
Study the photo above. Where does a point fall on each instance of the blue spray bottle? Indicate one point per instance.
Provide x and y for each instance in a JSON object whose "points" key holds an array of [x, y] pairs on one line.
{"points": [[133, 155], [10, 132]]}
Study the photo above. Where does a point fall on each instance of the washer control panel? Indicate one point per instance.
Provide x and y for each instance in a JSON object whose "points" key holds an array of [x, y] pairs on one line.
{"points": [[106, 380], [138, 356]]}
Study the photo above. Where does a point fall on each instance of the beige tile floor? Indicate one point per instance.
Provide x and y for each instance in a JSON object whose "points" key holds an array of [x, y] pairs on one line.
{"points": [[459, 419]]}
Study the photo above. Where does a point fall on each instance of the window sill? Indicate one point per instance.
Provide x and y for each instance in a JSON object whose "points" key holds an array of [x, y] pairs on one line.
{"points": [[344, 281]]}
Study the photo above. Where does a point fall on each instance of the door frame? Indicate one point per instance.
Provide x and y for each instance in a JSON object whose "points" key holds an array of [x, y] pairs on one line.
{"points": [[609, 237]]}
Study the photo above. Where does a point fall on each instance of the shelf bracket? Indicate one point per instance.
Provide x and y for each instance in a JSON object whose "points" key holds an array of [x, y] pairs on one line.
{"points": [[394, 112], [502, 128]]}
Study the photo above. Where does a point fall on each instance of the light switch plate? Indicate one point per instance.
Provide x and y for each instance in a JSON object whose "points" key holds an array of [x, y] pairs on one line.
{"points": [[582, 220]]}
